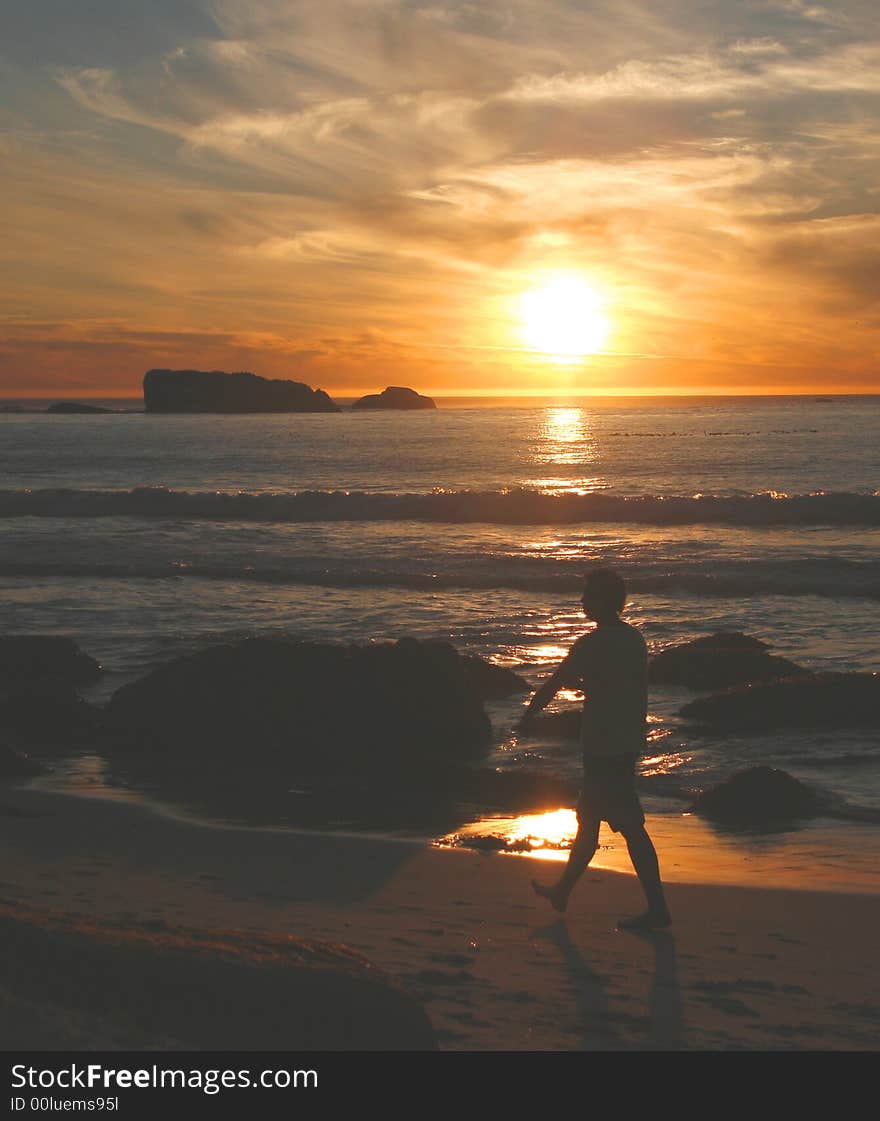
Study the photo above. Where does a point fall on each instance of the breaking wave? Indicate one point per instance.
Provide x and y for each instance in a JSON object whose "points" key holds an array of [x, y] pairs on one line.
{"points": [[500, 507], [749, 578]]}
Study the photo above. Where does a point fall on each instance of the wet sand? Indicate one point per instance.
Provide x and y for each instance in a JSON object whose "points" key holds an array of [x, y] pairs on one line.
{"points": [[494, 967]]}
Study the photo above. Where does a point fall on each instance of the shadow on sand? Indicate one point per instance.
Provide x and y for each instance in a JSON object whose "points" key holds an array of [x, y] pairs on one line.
{"points": [[601, 1028], [277, 866]]}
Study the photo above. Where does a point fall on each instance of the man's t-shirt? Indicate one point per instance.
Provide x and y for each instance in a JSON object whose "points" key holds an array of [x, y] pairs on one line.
{"points": [[611, 665]]}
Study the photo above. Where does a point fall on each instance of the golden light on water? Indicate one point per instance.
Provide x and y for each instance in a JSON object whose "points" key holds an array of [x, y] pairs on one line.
{"points": [[563, 427], [545, 829], [547, 653], [566, 439], [563, 319], [692, 851], [547, 836], [555, 484], [540, 836]]}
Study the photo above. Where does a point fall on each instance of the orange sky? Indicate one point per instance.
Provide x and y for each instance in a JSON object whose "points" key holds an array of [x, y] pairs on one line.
{"points": [[357, 193]]}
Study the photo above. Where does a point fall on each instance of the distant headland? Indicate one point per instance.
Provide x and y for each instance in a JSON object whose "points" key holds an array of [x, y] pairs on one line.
{"points": [[215, 391]]}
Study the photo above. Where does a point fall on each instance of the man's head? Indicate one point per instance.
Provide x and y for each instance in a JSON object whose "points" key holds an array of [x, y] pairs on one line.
{"points": [[604, 594]]}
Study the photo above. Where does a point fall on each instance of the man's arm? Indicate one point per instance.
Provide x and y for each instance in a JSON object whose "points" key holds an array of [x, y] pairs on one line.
{"points": [[566, 673]]}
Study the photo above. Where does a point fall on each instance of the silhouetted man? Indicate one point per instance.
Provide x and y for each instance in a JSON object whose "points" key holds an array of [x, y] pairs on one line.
{"points": [[610, 664]]}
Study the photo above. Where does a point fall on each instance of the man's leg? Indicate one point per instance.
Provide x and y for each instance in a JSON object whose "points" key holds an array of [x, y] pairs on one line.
{"points": [[583, 850], [644, 860]]}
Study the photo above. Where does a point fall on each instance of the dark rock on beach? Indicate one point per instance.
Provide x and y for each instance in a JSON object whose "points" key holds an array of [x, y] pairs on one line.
{"points": [[813, 700], [717, 661], [157, 987], [490, 682], [28, 658], [49, 713], [213, 391], [308, 706], [517, 791], [38, 699], [757, 796], [563, 725], [73, 407], [16, 764], [395, 397]]}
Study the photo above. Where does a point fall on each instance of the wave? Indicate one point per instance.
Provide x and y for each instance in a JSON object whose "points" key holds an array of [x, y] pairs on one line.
{"points": [[750, 579], [508, 506], [848, 760]]}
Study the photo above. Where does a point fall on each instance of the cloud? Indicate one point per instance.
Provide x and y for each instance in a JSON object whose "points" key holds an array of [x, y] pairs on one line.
{"points": [[761, 69], [396, 170], [100, 32], [838, 253]]}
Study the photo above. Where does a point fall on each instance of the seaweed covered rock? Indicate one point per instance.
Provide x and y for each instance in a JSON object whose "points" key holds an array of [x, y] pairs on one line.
{"points": [[25, 659], [759, 796], [152, 986], [491, 682], [49, 713], [312, 705], [813, 700], [717, 661], [16, 764], [524, 791], [562, 725]]}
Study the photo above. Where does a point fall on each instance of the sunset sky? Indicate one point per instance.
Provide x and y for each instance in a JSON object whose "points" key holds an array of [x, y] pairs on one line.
{"points": [[358, 193]]}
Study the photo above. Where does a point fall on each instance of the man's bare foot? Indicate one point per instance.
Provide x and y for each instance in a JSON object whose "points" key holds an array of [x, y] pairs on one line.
{"points": [[558, 899], [648, 920]]}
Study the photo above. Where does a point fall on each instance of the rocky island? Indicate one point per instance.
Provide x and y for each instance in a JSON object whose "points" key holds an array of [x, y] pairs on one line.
{"points": [[394, 397], [214, 391], [69, 408]]}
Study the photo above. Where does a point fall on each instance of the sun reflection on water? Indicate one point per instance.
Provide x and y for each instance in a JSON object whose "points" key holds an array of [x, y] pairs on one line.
{"points": [[566, 433], [547, 836], [566, 439], [547, 653], [556, 484]]}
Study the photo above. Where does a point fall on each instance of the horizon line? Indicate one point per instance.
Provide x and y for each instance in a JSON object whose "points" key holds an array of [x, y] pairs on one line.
{"points": [[481, 394]]}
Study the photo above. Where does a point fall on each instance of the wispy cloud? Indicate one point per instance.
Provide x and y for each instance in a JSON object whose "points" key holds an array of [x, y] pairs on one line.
{"points": [[261, 177]]}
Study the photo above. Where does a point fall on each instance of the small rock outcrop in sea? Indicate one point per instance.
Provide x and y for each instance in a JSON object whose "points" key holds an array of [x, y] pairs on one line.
{"points": [[25, 659], [66, 407], [213, 391], [148, 985], [395, 397], [758, 796], [717, 661], [813, 700], [313, 707]]}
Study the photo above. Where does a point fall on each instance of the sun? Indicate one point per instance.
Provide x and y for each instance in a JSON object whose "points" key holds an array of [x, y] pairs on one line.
{"points": [[563, 318]]}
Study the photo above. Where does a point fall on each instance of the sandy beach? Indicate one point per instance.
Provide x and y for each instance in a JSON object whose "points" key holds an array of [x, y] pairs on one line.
{"points": [[492, 965]]}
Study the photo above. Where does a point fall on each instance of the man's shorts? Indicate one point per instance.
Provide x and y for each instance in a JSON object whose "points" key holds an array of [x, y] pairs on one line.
{"points": [[609, 792]]}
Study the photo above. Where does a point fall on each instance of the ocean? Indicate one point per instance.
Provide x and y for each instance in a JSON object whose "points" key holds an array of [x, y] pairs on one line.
{"points": [[144, 537]]}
